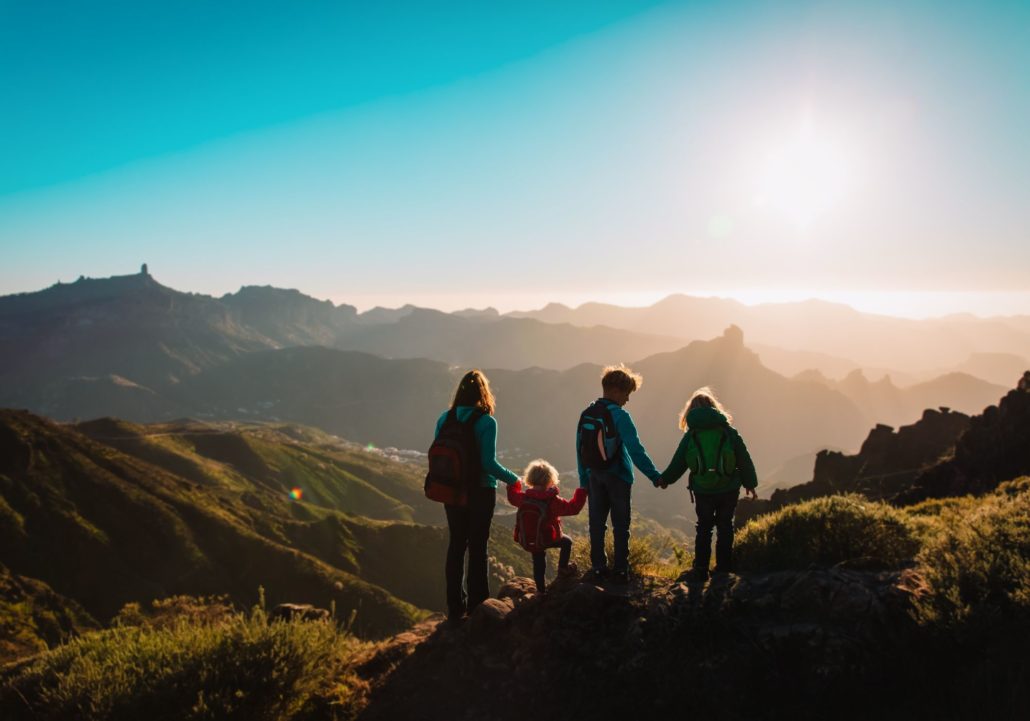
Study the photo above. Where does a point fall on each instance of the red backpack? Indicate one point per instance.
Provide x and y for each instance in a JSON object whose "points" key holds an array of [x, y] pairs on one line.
{"points": [[533, 528], [454, 462]]}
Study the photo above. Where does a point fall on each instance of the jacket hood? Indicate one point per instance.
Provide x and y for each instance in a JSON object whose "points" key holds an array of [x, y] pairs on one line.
{"points": [[699, 418], [545, 493]]}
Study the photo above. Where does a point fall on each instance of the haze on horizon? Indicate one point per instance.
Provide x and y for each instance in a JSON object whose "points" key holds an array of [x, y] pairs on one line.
{"points": [[515, 155]]}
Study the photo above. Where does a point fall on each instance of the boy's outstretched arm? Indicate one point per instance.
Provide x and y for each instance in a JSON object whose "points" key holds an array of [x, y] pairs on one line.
{"points": [[631, 441]]}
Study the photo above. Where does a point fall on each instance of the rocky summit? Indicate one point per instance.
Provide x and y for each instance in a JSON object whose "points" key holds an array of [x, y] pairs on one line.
{"points": [[774, 645]]}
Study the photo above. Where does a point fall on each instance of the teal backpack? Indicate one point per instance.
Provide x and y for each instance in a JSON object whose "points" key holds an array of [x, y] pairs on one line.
{"points": [[711, 460]]}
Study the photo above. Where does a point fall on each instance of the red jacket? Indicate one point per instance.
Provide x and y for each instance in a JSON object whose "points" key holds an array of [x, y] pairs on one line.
{"points": [[558, 505]]}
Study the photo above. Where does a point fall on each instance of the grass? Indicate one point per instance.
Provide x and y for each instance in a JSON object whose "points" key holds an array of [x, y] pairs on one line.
{"points": [[227, 666], [977, 565], [828, 531]]}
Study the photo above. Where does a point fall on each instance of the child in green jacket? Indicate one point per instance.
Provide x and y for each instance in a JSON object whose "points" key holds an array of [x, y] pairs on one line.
{"points": [[719, 464]]}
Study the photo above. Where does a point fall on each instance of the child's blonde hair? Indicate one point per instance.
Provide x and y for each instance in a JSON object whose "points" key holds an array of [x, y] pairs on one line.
{"points": [[703, 397], [541, 474]]}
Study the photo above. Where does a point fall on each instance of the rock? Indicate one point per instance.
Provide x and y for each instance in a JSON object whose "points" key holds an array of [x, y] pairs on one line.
{"points": [[489, 616], [518, 590], [298, 612]]}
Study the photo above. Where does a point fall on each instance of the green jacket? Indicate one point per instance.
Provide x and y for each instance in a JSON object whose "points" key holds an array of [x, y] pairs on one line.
{"points": [[701, 418]]}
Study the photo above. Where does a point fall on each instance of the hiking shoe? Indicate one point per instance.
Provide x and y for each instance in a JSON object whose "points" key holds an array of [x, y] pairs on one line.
{"points": [[620, 577], [455, 620], [568, 571], [694, 575], [595, 575]]}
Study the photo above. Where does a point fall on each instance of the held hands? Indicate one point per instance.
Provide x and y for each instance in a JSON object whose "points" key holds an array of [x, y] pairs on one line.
{"points": [[751, 492], [660, 483]]}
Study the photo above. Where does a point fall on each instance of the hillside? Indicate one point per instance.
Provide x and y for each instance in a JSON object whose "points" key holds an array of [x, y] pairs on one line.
{"points": [[103, 527], [884, 613]]}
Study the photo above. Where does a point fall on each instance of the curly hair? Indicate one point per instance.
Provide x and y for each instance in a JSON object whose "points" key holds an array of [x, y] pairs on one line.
{"points": [[541, 474]]}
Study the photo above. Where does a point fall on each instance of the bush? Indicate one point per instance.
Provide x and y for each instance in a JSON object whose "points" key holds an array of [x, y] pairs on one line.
{"points": [[828, 531], [242, 668], [649, 554], [977, 567]]}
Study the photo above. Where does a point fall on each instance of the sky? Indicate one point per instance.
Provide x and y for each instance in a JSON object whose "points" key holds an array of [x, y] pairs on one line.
{"points": [[511, 154]]}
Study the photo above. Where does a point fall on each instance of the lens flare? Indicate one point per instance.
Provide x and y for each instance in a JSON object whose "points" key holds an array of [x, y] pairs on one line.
{"points": [[296, 493], [370, 447]]}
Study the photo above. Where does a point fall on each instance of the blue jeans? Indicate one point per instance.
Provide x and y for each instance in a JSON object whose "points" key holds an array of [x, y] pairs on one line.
{"points": [[607, 493]]}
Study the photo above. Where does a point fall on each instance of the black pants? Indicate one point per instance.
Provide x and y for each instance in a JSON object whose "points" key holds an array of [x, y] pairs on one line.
{"points": [[469, 528], [714, 511], [540, 560]]}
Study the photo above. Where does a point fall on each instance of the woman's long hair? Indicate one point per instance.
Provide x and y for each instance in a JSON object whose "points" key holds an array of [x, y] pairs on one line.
{"points": [[703, 397], [474, 390]]}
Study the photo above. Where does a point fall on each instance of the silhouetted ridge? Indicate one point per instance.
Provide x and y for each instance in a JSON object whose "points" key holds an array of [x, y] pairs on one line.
{"points": [[995, 448]]}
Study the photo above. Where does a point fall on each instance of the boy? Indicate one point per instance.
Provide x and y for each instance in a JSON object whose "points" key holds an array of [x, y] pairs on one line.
{"points": [[607, 448]]}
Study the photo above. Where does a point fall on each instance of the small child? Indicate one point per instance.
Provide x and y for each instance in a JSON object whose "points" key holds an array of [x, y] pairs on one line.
{"points": [[538, 522]]}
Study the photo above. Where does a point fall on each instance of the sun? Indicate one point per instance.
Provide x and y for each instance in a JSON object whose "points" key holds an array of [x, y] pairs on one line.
{"points": [[806, 176]]}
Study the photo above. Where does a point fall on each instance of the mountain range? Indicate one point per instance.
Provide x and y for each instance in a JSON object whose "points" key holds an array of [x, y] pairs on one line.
{"points": [[132, 348], [815, 326]]}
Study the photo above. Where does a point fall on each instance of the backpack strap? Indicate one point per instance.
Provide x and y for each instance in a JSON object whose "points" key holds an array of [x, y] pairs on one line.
{"points": [[700, 452], [721, 470], [543, 511]]}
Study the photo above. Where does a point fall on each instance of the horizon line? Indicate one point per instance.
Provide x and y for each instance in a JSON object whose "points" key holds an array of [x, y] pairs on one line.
{"points": [[982, 304]]}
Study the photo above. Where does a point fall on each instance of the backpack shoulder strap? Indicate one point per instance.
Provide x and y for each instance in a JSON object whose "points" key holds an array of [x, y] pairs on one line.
{"points": [[700, 451], [720, 469]]}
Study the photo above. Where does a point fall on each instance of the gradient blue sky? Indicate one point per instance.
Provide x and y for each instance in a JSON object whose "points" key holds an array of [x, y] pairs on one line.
{"points": [[514, 153]]}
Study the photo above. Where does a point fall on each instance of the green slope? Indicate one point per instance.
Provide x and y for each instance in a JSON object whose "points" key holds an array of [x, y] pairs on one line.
{"points": [[104, 527]]}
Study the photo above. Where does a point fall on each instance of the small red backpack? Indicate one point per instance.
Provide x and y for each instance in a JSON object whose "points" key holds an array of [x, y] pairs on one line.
{"points": [[533, 528]]}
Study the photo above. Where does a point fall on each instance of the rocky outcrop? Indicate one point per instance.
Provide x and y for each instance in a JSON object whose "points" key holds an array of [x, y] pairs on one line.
{"points": [[734, 648], [995, 448], [886, 465]]}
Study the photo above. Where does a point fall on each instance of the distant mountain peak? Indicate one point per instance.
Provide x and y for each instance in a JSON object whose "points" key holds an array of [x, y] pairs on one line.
{"points": [[734, 335]]}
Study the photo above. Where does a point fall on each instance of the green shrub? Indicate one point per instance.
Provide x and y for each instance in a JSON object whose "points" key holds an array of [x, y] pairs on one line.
{"points": [[828, 531], [207, 610], [977, 567], [241, 668]]}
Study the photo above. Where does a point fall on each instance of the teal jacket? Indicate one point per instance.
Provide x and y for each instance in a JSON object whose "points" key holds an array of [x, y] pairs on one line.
{"points": [[698, 419], [486, 439], [632, 453]]}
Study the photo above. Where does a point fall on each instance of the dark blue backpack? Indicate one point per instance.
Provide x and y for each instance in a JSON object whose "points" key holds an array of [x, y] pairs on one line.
{"points": [[599, 442]]}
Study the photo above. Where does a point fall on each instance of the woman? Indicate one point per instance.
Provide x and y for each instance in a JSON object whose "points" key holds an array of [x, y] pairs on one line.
{"points": [[719, 464], [469, 525]]}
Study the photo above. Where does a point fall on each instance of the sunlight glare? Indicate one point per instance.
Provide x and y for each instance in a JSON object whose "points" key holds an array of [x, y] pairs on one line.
{"points": [[806, 176]]}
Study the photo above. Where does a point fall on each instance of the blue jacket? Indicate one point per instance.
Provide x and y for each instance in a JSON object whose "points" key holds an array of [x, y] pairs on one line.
{"points": [[486, 439], [632, 453]]}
